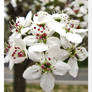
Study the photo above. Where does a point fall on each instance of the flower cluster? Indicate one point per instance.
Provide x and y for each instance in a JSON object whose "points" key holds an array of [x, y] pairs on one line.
{"points": [[51, 41], [79, 9]]}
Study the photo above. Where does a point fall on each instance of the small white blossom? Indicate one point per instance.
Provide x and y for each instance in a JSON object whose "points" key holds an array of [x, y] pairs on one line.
{"points": [[17, 53]]}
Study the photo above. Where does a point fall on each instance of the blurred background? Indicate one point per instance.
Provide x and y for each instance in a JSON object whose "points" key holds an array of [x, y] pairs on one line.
{"points": [[76, 9]]}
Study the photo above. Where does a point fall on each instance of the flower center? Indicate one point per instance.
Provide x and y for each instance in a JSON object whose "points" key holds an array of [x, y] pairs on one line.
{"points": [[18, 53], [41, 34], [46, 66], [73, 52]]}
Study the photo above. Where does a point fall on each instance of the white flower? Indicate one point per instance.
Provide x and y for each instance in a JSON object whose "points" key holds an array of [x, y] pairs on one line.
{"points": [[41, 17], [22, 24], [66, 28], [80, 54], [20, 27], [79, 9], [40, 31], [41, 34], [73, 34], [17, 53], [36, 53], [46, 71], [76, 54]]}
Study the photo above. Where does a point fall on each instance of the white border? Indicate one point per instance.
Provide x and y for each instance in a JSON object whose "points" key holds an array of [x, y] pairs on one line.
{"points": [[1, 46], [90, 47]]}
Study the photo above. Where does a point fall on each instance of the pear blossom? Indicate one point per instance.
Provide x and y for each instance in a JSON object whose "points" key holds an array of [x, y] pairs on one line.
{"points": [[66, 27], [41, 35], [79, 9], [20, 27], [36, 53], [75, 54], [45, 69], [40, 32], [22, 24], [17, 53]]}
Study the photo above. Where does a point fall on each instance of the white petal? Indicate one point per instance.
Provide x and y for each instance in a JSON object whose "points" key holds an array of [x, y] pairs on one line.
{"points": [[20, 43], [61, 68], [64, 54], [13, 37], [74, 67], [20, 20], [53, 41], [75, 38], [84, 24], [24, 30], [57, 27], [86, 17], [42, 17], [19, 60], [47, 82], [65, 43], [69, 11], [6, 59], [39, 47], [28, 19], [81, 53], [33, 55], [80, 30], [30, 40], [32, 72], [11, 64], [55, 16], [83, 9], [83, 34], [79, 15], [54, 52], [29, 15]]}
